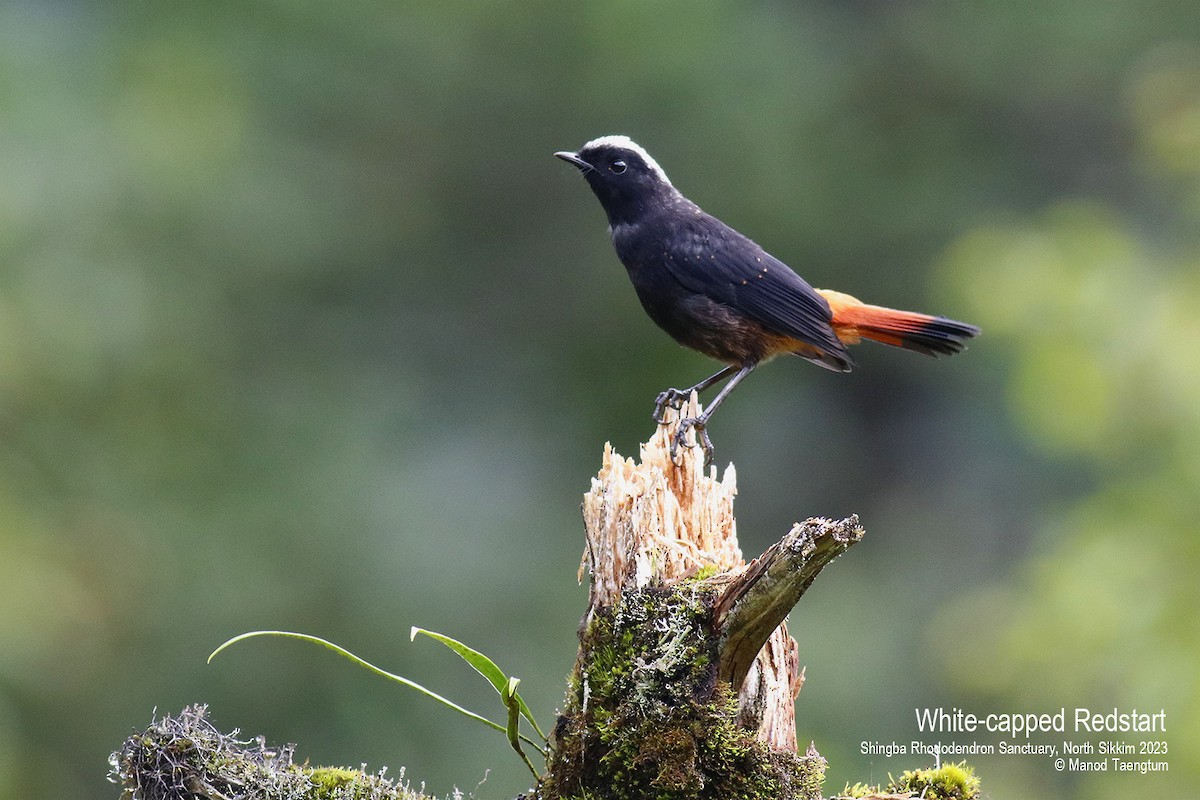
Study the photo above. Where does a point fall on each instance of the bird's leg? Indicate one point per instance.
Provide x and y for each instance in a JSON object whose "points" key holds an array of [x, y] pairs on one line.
{"points": [[675, 398], [700, 423]]}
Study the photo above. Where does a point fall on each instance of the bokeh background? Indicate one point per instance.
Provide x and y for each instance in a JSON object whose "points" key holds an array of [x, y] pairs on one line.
{"points": [[302, 327]]}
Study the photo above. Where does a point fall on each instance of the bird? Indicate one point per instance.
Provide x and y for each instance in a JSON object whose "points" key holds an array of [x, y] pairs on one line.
{"points": [[718, 292]]}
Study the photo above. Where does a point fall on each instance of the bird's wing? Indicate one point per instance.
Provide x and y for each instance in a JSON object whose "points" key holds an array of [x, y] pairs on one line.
{"points": [[712, 259]]}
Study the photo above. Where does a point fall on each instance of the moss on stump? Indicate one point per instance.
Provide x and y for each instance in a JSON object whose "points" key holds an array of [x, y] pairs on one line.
{"points": [[646, 716]]}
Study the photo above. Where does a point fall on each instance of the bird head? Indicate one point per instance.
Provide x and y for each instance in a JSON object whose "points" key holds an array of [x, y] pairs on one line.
{"points": [[624, 177]]}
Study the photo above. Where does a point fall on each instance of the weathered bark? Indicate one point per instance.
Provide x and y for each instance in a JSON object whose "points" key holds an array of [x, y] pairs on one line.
{"points": [[758, 600]]}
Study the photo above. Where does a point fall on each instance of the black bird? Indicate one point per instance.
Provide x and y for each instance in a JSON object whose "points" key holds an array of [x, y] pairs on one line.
{"points": [[716, 291]]}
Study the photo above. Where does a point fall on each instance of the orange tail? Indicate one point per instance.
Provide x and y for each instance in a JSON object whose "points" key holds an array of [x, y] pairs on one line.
{"points": [[934, 336]]}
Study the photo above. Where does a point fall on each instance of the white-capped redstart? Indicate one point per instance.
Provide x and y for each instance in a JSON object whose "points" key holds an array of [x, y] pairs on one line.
{"points": [[716, 291]]}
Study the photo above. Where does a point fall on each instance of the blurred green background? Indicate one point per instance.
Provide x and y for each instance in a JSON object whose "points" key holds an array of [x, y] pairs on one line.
{"points": [[302, 327]]}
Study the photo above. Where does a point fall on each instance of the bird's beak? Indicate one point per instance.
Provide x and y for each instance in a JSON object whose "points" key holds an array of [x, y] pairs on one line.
{"points": [[573, 158]]}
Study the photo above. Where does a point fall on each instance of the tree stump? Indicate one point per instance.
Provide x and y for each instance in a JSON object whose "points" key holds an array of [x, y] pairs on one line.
{"points": [[686, 677]]}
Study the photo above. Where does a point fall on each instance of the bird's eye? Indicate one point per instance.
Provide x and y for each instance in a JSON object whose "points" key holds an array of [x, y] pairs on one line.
{"points": [[618, 167]]}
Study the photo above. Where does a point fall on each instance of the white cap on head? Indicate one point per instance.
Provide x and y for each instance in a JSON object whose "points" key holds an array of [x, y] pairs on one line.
{"points": [[625, 143]]}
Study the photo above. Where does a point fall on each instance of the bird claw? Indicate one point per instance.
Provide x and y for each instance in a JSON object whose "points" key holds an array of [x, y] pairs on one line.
{"points": [[675, 398], [680, 437]]}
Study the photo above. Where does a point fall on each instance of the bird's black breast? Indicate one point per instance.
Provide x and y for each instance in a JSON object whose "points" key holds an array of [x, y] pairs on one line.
{"points": [[718, 292]]}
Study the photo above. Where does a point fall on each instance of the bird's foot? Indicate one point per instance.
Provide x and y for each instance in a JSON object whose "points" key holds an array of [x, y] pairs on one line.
{"points": [[680, 438], [673, 398]]}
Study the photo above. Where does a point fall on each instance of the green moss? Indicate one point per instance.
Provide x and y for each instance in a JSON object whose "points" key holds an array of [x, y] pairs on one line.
{"points": [[646, 718], [328, 779], [948, 782]]}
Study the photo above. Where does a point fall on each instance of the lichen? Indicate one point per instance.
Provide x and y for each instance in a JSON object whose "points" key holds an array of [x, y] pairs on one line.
{"points": [[185, 756]]}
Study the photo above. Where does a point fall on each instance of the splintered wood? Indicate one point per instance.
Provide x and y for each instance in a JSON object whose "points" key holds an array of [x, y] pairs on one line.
{"points": [[658, 519], [662, 520]]}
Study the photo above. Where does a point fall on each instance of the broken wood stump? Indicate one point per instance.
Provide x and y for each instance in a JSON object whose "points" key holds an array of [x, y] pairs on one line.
{"points": [[686, 676]]}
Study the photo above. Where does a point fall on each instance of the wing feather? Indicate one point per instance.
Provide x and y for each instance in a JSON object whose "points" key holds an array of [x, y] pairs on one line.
{"points": [[712, 259]]}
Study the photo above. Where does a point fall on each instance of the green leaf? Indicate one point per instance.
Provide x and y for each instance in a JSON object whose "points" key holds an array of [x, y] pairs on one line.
{"points": [[512, 702], [368, 666], [485, 667]]}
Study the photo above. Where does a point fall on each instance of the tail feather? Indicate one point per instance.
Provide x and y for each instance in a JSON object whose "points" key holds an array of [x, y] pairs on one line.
{"points": [[924, 333]]}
